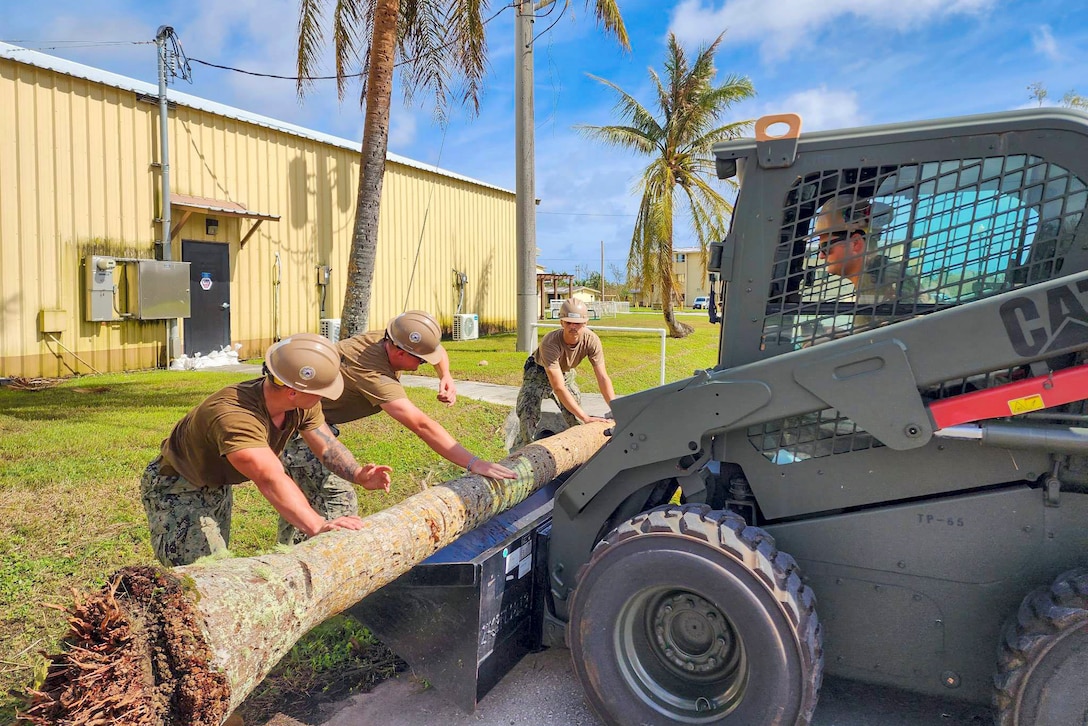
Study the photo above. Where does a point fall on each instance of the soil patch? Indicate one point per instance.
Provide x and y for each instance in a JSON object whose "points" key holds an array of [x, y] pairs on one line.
{"points": [[308, 690]]}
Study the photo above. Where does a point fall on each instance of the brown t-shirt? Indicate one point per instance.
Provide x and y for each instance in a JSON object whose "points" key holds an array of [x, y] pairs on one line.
{"points": [[369, 379], [233, 419], [553, 352]]}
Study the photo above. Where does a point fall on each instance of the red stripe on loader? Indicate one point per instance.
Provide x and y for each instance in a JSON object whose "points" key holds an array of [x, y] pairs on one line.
{"points": [[1011, 399]]}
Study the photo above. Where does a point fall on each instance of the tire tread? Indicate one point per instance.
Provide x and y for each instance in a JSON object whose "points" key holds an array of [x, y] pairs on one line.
{"points": [[1043, 615], [751, 546]]}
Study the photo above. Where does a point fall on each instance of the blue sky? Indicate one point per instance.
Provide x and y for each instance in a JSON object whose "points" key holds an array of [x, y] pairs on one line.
{"points": [[836, 62]]}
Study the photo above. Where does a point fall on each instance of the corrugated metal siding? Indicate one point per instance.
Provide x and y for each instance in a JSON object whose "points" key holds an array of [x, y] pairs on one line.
{"points": [[78, 176], [463, 230]]}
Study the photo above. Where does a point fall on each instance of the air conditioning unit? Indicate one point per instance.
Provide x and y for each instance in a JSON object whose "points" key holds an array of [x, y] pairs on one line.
{"points": [[466, 326], [330, 328]]}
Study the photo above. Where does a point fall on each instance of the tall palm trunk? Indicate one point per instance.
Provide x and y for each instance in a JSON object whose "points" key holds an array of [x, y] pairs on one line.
{"points": [[364, 237], [677, 329]]}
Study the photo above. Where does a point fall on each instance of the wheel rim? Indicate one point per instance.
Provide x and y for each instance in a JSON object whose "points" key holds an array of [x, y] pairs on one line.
{"points": [[681, 654]]}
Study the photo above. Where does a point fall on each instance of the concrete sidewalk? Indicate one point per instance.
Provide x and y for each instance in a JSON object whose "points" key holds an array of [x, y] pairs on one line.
{"points": [[593, 403]]}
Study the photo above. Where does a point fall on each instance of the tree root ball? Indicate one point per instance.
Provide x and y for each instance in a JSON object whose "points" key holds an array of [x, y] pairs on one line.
{"points": [[135, 654]]}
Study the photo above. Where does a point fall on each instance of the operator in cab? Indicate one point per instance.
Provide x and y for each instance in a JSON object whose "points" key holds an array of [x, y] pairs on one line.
{"points": [[549, 372], [849, 246]]}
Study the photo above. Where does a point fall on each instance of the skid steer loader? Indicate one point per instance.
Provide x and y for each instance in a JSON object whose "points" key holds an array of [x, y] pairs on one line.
{"points": [[884, 477]]}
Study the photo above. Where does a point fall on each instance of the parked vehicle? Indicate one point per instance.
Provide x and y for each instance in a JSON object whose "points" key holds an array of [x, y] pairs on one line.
{"points": [[699, 303], [916, 440]]}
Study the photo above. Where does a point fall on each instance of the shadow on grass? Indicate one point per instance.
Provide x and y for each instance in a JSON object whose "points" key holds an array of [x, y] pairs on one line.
{"points": [[332, 662], [65, 401]]}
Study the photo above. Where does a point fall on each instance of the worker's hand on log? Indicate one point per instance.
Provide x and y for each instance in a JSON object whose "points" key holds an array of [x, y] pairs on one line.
{"points": [[492, 470], [349, 522], [373, 476], [591, 419], [447, 391]]}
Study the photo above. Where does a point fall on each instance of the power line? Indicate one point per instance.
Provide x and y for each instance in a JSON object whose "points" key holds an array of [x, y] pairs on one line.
{"points": [[576, 259], [587, 214], [66, 44], [550, 11], [361, 74]]}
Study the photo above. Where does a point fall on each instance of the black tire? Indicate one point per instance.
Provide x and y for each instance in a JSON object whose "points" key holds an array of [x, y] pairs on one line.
{"points": [[686, 614], [1043, 657]]}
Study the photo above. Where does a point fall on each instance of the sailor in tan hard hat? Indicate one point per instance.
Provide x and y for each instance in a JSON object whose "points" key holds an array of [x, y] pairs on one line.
{"points": [[848, 244], [371, 364], [841, 230], [236, 435], [549, 372]]}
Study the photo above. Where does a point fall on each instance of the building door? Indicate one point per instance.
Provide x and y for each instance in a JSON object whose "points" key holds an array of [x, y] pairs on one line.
{"points": [[208, 326]]}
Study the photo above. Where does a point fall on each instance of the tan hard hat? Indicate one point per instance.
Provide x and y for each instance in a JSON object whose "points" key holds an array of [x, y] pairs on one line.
{"points": [[843, 213], [574, 310], [308, 363], [418, 333]]}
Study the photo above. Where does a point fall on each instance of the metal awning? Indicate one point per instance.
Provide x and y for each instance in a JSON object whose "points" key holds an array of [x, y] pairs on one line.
{"points": [[218, 207]]}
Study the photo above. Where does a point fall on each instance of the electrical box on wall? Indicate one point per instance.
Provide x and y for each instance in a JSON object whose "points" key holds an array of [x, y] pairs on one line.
{"points": [[52, 321], [161, 290], [120, 288], [101, 288]]}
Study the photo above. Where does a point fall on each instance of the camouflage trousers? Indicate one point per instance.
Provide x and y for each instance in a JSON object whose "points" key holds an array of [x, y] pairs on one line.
{"points": [[330, 495], [187, 522], [535, 387]]}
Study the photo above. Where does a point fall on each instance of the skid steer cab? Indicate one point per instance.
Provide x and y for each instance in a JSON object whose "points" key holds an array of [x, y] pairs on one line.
{"points": [[884, 477]]}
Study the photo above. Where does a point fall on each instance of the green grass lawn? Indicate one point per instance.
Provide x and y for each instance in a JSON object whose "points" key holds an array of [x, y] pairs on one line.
{"points": [[71, 458], [633, 359]]}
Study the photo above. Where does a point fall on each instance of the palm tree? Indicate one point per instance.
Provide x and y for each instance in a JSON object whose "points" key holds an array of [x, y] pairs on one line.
{"points": [[442, 48], [680, 146]]}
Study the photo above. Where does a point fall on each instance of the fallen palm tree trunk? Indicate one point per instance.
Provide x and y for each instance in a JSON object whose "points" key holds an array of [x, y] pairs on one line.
{"points": [[187, 645]]}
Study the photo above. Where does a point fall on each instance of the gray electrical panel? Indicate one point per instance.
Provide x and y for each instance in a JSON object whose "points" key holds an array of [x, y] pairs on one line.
{"points": [[122, 288], [160, 290], [101, 290]]}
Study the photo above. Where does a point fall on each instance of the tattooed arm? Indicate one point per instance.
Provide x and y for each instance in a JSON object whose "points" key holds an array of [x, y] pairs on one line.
{"points": [[265, 469], [337, 459]]}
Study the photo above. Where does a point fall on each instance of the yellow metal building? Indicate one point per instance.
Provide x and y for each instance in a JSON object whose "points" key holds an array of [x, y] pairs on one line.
{"points": [[258, 207]]}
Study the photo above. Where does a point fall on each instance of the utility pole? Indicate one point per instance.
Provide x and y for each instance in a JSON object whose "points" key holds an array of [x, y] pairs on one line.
{"points": [[164, 32], [525, 205]]}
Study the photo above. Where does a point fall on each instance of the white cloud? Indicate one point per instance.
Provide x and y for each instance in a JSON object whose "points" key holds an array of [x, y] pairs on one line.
{"points": [[1042, 39], [402, 127], [588, 196], [821, 108], [60, 28], [795, 23]]}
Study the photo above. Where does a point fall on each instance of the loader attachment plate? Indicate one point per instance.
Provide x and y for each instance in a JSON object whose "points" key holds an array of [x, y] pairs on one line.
{"points": [[466, 615]]}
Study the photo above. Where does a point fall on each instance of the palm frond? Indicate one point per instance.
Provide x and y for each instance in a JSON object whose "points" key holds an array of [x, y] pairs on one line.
{"points": [[421, 43], [310, 38], [365, 39], [626, 137], [608, 15], [445, 51], [467, 24], [627, 107], [706, 141], [664, 98], [350, 32]]}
